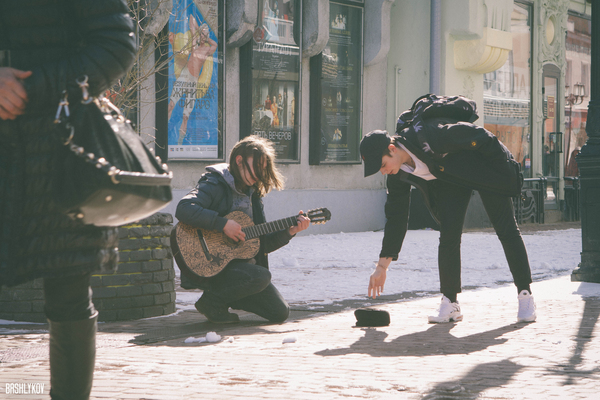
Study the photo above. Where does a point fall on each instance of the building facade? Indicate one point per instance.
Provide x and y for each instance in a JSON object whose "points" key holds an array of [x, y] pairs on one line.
{"points": [[314, 76]]}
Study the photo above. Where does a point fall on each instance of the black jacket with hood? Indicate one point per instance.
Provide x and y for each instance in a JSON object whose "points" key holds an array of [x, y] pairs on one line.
{"points": [[207, 204], [439, 131]]}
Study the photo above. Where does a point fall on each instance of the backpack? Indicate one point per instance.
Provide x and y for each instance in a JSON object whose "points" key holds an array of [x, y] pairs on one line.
{"points": [[430, 106]]}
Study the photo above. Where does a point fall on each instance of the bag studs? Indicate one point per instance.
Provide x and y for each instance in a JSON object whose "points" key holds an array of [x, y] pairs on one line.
{"points": [[108, 120], [101, 162]]}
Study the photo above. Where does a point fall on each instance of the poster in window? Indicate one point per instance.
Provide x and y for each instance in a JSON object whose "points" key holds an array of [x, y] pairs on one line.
{"points": [[275, 77], [193, 84], [341, 85]]}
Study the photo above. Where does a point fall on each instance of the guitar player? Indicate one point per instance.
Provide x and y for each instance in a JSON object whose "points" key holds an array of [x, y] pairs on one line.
{"points": [[238, 186]]}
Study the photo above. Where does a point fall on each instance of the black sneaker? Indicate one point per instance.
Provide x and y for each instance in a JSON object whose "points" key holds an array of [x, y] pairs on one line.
{"points": [[215, 313]]}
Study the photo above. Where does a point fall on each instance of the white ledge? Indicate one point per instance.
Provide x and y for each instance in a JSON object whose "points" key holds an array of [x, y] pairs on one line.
{"points": [[483, 55]]}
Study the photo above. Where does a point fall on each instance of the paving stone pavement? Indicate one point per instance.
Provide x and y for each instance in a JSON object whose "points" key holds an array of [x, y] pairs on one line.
{"points": [[487, 356]]}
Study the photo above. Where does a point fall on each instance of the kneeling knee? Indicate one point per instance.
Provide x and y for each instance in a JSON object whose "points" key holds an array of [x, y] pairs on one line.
{"points": [[281, 315]]}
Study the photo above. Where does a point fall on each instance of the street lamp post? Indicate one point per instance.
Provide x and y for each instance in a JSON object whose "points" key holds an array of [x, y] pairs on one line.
{"points": [[588, 162]]}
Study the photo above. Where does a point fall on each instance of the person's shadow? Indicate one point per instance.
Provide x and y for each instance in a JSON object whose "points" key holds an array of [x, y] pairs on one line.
{"points": [[572, 370], [475, 382], [434, 341]]}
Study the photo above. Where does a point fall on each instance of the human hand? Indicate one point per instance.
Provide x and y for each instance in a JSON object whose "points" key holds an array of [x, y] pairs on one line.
{"points": [[376, 281], [303, 223], [13, 97], [233, 230]]}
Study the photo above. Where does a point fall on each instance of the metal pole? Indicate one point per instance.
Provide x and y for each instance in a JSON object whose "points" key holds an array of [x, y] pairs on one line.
{"points": [[588, 162], [435, 46]]}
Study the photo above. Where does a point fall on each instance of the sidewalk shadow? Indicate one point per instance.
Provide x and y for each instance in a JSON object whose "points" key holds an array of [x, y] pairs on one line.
{"points": [[589, 318], [172, 330], [476, 381], [434, 341]]}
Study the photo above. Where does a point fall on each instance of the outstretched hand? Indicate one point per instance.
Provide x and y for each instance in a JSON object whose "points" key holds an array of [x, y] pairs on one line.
{"points": [[303, 223], [376, 282], [13, 97]]}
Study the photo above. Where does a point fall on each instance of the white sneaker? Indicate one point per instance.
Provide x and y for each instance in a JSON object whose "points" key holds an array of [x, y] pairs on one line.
{"points": [[526, 307], [447, 312]]}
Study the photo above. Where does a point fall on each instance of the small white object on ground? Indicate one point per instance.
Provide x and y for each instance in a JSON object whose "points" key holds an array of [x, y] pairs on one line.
{"points": [[289, 339], [212, 337], [195, 340]]}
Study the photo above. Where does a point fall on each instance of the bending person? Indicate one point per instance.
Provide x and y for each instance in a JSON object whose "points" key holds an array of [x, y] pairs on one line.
{"points": [[439, 151]]}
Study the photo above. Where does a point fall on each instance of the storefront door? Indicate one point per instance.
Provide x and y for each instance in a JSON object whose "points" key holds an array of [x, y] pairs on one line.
{"points": [[551, 136]]}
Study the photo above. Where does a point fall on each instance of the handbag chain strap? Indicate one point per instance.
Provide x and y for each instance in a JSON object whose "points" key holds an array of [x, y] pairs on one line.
{"points": [[116, 175]]}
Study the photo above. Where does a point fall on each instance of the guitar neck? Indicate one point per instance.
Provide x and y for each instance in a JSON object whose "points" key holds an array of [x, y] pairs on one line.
{"points": [[269, 227]]}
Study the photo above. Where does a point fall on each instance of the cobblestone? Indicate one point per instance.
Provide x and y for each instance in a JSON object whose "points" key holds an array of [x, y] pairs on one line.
{"points": [[486, 356]]}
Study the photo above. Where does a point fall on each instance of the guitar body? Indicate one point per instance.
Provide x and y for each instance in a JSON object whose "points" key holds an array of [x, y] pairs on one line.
{"points": [[202, 253], [219, 251]]}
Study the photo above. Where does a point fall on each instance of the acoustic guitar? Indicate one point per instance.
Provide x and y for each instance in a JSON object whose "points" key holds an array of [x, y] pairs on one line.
{"points": [[204, 253]]}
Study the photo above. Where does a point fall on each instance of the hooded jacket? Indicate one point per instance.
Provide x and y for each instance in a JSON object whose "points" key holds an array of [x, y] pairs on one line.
{"points": [[215, 196], [439, 131]]}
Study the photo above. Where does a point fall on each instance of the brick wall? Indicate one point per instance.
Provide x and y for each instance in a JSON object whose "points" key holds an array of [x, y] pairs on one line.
{"points": [[143, 286]]}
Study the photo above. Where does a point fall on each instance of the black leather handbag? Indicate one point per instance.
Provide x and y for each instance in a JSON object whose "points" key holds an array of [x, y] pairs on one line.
{"points": [[106, 175]]}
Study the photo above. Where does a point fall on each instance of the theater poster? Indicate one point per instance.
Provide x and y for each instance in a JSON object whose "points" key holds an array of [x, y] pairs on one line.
{"points": [[341, 85], [194, 104], [275, 77]]}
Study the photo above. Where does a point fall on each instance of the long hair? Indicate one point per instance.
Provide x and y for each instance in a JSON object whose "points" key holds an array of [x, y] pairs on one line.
{"points": [[266, 173]]}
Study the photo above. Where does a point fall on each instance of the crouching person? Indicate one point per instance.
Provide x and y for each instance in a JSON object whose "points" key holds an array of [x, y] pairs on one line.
{"points": [[224, 188]]}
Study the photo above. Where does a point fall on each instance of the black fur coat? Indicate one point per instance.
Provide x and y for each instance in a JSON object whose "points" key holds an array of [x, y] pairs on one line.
{"points": [[59, 41]]}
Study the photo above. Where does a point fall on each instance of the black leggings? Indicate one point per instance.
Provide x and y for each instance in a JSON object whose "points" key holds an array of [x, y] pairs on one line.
{"points": [[68, 298]]}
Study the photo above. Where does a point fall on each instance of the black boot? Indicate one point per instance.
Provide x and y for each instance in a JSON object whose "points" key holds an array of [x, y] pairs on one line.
{"points": [[214, 310], [72, 358]]}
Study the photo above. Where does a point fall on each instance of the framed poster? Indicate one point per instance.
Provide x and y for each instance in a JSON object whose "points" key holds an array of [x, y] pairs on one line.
{"points": [[195, 80], [336, 89], [270, 90]]}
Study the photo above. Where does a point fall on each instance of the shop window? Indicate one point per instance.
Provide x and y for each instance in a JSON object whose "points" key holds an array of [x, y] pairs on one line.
{"points": [[336, 88], [190, 97], [578, 56], [270, 78], [507, 92]]}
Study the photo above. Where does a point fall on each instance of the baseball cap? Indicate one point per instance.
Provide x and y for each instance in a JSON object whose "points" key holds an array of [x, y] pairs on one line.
{"points": [[372, 147]]}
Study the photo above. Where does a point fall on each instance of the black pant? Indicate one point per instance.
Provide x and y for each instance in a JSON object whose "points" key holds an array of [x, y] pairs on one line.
{"points": [[248, 287], [451, 202], [68, 298]]}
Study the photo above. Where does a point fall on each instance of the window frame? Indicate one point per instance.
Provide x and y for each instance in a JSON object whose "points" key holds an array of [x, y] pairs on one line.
{"points": [[316, 90], [163, 97]]}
